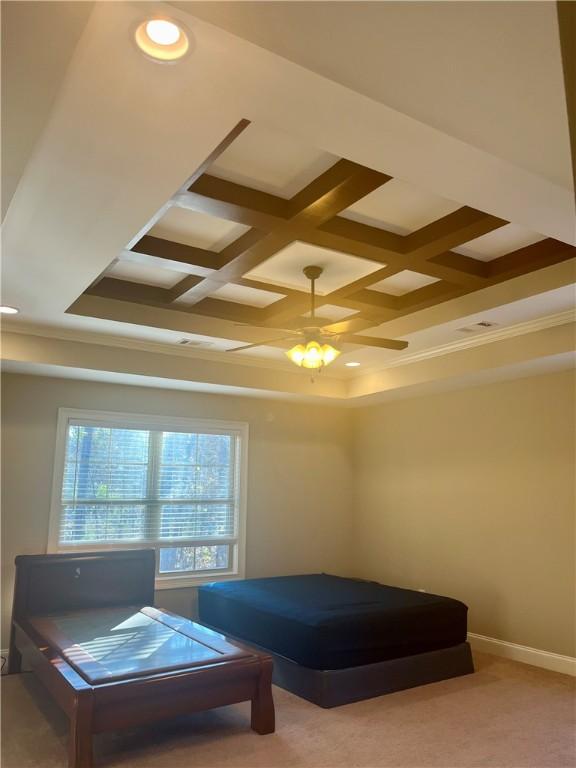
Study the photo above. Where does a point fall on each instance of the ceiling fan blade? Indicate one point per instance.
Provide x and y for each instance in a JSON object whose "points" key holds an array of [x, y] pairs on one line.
{"points": [[260, 344], [374, 341]]}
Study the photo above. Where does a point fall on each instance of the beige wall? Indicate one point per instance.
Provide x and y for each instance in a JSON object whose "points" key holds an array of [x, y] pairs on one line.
{"points": [[299, 480], [468, 493], [471, 494]]}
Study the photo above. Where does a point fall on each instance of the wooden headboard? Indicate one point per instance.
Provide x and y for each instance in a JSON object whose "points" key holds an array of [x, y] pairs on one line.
{"points": [[47, 584]]}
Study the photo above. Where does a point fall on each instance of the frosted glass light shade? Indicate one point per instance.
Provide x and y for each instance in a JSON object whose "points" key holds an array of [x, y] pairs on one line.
{"points": [[313, 354]]}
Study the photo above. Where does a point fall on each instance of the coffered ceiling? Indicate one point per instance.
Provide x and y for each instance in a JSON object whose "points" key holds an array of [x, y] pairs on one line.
{"points": [[191, 219], [236, 251]]}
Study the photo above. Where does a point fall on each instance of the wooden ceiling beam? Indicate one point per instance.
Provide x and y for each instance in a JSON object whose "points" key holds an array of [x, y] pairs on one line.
{"points": [[449, 232], [263, 286], [449, 274], [182, 287], [375, 307], [397, 253], [427, 295], [216, 279], [335, 190], [124, 290], [193, 201], [439, 271], [235, 202], [461, 263], [148, 295], [338, 233], [454, 267], [371, 314], [336, 242], [241, 314], [373, 299], [155, 251], [346, 230], [260, 210], [519, 262], [425, 243], [428, 249], [378, 306], [312, 216], [282, 311], [382, 307], [541, 254]]}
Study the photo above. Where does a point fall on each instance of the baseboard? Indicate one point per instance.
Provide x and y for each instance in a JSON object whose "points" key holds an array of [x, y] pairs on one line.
{"points": [[552, 661]]}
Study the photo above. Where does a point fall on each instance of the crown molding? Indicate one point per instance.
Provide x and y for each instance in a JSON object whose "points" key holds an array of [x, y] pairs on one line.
{"points": [[487, 337], [91, 337], [126, 342]]}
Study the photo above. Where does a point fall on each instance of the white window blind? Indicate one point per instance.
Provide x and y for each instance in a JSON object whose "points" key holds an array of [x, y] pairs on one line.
{"points": [[176, 487]]}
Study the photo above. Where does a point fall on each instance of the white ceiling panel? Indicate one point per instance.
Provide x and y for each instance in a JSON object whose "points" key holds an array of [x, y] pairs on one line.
{"points": [[499, 242], [271, 161], [197, 229], [333, 313], [285, 268], [403, 282], [140, 273], [400, 207], [242, 294]]}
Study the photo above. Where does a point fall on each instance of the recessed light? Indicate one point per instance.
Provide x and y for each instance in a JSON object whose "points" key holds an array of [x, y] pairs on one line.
{"points": [[162, 39], [163, 32], [352, 365], [4, 310]]}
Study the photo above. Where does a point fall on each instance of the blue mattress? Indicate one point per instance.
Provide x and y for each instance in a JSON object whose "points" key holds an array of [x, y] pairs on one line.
{"points": [[328, 622]]}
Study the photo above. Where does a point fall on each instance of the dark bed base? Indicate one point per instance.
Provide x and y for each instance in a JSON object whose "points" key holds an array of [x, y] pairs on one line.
{"points": [[335, 687]]}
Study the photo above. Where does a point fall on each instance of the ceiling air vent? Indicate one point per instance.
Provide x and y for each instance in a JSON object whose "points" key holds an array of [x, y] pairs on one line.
{"points": [[192, 343], [477, 327]]}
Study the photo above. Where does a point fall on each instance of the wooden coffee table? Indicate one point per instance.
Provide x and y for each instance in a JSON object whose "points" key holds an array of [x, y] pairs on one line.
{"points": [[121, 666]]}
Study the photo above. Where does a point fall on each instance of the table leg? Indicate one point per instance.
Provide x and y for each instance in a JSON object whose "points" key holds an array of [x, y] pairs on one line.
{"points": [[263, 718], [14, 661], [14, 655], [80, 739]]}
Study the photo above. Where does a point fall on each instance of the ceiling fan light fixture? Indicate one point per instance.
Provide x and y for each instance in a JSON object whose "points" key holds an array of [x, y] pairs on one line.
{"points": [[313, 354]]}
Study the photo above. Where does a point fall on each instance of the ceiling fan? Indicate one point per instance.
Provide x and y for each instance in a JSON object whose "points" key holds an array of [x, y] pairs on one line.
{"points": [[316, 346]]}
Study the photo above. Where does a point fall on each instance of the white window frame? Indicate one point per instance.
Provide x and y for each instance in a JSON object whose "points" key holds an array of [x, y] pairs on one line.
{"points": [[168, 424]]}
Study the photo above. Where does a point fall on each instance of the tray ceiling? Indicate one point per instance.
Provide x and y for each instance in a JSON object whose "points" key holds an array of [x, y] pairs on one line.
{"points": [[421, 230]]}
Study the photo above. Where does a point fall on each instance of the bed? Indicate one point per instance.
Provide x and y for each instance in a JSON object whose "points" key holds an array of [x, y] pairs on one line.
{"points": [[336, 640], [86, 625]]}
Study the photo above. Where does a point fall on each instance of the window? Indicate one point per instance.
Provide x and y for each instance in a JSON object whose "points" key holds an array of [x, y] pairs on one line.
{"points": [[124, 480]]}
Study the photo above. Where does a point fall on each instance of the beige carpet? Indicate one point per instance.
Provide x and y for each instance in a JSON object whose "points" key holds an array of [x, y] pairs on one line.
{"points": [[507, 715]]}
